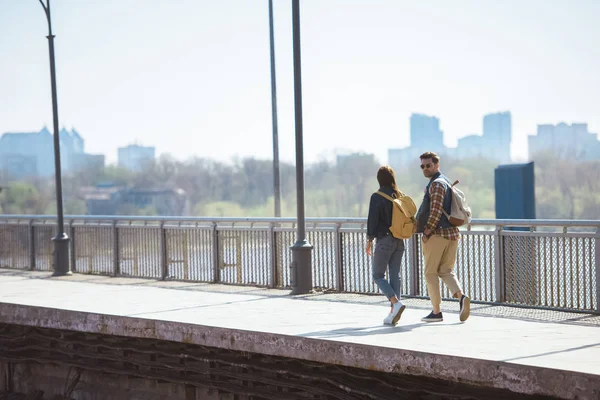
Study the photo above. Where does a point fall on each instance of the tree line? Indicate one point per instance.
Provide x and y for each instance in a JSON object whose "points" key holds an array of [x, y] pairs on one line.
{"points": [[564, 188]]}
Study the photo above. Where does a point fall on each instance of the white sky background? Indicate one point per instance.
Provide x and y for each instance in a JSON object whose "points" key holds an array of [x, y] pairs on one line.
{"points": [[192, 77]]}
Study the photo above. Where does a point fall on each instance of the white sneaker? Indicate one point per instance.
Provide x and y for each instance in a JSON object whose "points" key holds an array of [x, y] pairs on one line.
{"points": [[397, 311], [388, 320]]}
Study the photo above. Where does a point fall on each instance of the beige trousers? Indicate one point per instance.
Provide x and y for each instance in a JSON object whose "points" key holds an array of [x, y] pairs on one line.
{"points": [[440, 256]]}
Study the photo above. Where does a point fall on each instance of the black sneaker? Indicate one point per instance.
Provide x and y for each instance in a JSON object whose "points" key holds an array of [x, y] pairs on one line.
{"points": [[465, 308], [433, 317]]}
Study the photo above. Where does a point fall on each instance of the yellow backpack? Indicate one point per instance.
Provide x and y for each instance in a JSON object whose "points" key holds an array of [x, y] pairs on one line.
{"points": [[404, 210]]}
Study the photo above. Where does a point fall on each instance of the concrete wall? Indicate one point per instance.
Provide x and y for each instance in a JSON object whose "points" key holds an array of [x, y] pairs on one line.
{"points": [[52, 380]]}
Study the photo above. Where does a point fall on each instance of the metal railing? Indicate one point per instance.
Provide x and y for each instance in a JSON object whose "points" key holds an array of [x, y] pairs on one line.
{"points": [[539, 263]]}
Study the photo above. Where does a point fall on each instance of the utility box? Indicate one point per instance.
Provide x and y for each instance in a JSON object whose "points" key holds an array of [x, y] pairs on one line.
{"points": [[515, 191], [515, 199]]}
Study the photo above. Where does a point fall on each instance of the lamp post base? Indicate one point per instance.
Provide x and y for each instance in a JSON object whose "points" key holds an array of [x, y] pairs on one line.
{"points": [[301, 273], [60, 264]]}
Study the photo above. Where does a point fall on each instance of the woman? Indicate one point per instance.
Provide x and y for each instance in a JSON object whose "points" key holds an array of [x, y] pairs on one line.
{"points": [[388, 249]]}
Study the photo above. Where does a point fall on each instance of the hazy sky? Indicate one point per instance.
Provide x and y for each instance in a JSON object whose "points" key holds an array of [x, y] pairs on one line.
{"points": [[192, 77]]}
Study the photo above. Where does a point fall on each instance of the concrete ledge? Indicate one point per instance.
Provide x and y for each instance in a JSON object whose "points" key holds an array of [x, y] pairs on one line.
{"points": [[487, 373]]}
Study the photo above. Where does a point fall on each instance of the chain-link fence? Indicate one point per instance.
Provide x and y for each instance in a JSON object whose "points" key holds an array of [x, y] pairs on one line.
{"points": [[538, 263]]}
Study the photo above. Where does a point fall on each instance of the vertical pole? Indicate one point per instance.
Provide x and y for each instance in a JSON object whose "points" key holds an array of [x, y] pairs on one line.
{"points": [[216, 254], [339, 262], [164, 264], [598, 270], [116, 265], [302, 249], [276, 184], [31, 246], [499, 267], [273, 260], [61, 240], [72, 247], [413, 259]]}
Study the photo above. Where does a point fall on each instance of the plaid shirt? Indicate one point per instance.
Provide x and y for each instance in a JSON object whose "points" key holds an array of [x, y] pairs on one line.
{"points": [[437, 191]]}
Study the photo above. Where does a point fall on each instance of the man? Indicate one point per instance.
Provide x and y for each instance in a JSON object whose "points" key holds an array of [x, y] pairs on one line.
{"points": [[440, 239]]}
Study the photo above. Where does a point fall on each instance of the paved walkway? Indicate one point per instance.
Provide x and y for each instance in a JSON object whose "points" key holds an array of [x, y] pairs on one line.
{"points": [[500, 346]]}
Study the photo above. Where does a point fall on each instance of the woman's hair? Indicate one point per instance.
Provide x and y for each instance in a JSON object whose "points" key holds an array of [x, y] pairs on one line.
{"points": [[386, 177]]}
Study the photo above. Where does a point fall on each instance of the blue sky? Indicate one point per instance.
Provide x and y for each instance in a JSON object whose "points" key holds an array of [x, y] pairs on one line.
{"points": [[192, 77]]}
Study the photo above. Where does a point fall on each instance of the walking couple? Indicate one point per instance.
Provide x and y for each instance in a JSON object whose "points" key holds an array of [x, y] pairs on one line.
{"points": [[439, 241]]}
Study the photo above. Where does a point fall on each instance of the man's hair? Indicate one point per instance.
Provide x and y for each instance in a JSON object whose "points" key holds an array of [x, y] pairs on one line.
{"points": [[432, 155]]}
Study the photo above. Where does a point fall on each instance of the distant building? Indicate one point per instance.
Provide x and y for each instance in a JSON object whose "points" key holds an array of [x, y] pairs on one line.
{"points": [[425, 132], [497, 136], [101, 200], [565, 140], [353, 159], [471, 146], [36, 147], [171, 202], [71, 145], [426, 135], [18, 166], [493, 144], [114, 200], [133, 156], [32, 153], [87, 162]]}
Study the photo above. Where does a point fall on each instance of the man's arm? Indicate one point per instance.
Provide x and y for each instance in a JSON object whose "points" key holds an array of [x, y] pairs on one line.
{"points": [[437, 191]]}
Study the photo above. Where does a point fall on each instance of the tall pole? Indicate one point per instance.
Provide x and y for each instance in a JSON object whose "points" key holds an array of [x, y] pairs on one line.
{"points": [[61, 240], [301, 275], [276, 185]]}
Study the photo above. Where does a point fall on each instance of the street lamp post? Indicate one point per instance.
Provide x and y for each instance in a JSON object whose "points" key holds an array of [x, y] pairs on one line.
{"points": [[61, 240], [301, 275], [276, 184]]}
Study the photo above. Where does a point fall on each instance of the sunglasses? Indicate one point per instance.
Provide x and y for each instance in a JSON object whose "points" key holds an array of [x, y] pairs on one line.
{"points": [[426, 166]]}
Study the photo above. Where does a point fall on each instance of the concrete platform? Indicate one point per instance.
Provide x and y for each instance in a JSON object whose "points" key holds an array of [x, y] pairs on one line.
{"points": [[526, 351]]}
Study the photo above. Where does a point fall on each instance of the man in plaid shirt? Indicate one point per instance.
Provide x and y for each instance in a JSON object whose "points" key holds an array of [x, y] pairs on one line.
{"points": [[440, 239]]}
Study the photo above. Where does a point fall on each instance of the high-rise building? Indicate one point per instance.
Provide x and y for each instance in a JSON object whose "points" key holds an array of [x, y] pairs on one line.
{"points": [[471, 146], [133, 157], [497, 136], [425, 132], [565, 140], [425, 135], [32, 153], [32, 149]]}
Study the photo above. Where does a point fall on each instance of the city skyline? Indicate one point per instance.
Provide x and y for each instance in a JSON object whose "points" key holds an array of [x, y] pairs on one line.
{"points": [[202, 87], [30, 153]]}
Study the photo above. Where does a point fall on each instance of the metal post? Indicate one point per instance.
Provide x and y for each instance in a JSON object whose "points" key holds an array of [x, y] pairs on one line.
{"points": [[413, 260], [31, 245], [164, 264], [116, 265], [72, 246], [276, 184], [499, 267], [301, 250], [216, 255], [339, 250], [598, 270], [273, 260], [61, 240]]}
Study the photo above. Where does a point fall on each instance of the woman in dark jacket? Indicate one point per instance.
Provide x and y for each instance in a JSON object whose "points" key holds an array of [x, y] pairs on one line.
{"points": [[388, 249]]}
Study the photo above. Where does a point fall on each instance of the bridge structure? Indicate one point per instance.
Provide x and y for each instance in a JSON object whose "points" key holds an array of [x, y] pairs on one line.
{"points": [[203, 306]]}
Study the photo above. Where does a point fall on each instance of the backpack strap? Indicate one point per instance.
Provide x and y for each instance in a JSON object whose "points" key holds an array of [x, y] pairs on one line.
{"points": [[390, 198], [442, 180]]}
